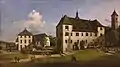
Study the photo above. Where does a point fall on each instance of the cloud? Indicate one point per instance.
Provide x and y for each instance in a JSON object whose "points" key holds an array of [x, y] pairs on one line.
{"points": [[34, 22]]}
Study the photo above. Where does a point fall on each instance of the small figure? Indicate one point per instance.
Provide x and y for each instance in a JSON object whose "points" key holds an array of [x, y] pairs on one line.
{"points": [[73, 59], [18, 59], [15, 59]]}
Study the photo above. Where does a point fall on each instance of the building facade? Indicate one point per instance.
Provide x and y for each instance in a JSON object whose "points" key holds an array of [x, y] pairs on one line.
{"points": [[25, 39], [74, 30]]}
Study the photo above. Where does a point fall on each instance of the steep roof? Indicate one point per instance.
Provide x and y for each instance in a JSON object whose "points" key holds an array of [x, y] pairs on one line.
{"points": [[114, 13], [16, 40], [39, 37], [25, 32], [80, 24]]}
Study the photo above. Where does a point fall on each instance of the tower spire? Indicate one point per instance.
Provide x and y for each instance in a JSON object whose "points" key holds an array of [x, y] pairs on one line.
{"points": [[77, 16], [114, 20]]}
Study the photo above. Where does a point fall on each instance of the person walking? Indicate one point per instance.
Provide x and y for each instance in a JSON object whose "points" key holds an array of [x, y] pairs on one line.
{"points": [[73, 59]]}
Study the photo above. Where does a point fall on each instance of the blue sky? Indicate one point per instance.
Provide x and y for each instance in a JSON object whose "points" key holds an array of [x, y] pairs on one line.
{"points": [[52, 11]]}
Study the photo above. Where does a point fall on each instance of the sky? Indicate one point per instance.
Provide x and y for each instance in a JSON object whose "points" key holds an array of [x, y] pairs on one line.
{"points": [[15, 13]]}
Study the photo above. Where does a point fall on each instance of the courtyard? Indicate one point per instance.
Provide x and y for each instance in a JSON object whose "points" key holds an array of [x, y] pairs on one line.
{"points": [[84, 58]]}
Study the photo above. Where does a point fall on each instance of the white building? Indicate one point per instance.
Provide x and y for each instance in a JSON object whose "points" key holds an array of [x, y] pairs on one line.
{"points": [[74, 30], [26, 38]]}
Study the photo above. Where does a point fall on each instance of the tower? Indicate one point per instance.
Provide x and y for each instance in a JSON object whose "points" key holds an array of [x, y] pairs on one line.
{"points": [[77, 17], [114, 20]]}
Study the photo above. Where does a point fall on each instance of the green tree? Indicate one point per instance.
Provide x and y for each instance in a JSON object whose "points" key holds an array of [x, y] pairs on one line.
{"points": [[53, 40]]}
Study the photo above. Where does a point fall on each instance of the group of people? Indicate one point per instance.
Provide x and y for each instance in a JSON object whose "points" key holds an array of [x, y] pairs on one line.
{"points": [[16, 59]]}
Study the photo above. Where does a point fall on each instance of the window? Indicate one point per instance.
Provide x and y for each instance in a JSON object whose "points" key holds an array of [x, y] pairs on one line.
{"points": [[82, 34], [71, 41], [20, 36], [65, 41], [25, 46], [95, 34], [71, 34], [101, 34], [77, 34], [101, 28], [66, 34], [20, 41], [78, 41], [29, 41], [90, 34], [25, 41], [66, 27], [29, 36], [86, 34], [25, 36]]}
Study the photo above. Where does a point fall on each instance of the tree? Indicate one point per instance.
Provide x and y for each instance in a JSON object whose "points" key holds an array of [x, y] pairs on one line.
{"points": [[53, 40], [44, 41]]}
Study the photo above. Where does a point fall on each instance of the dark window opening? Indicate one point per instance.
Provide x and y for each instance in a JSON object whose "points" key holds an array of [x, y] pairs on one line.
{"points": [[101, 28], [71, 41], [90, 34], [25, 41], [20, 41], [66, 27], [82, 34], [25, 46], [86, 41], [101, 34], [65, 41], [95, 34], [71, 34], [86, 34], [78, 41], [66, 34], [77, 34]]}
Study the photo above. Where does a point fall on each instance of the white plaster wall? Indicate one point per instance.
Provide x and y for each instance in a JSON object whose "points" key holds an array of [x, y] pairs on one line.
{"points": [[23, 41], [100, 31], [66, 37], [48, 41], [74, 38]]}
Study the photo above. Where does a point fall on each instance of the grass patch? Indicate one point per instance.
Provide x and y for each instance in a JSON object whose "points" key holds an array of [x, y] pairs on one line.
{"points": [[82, 55], [10, 56]]}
